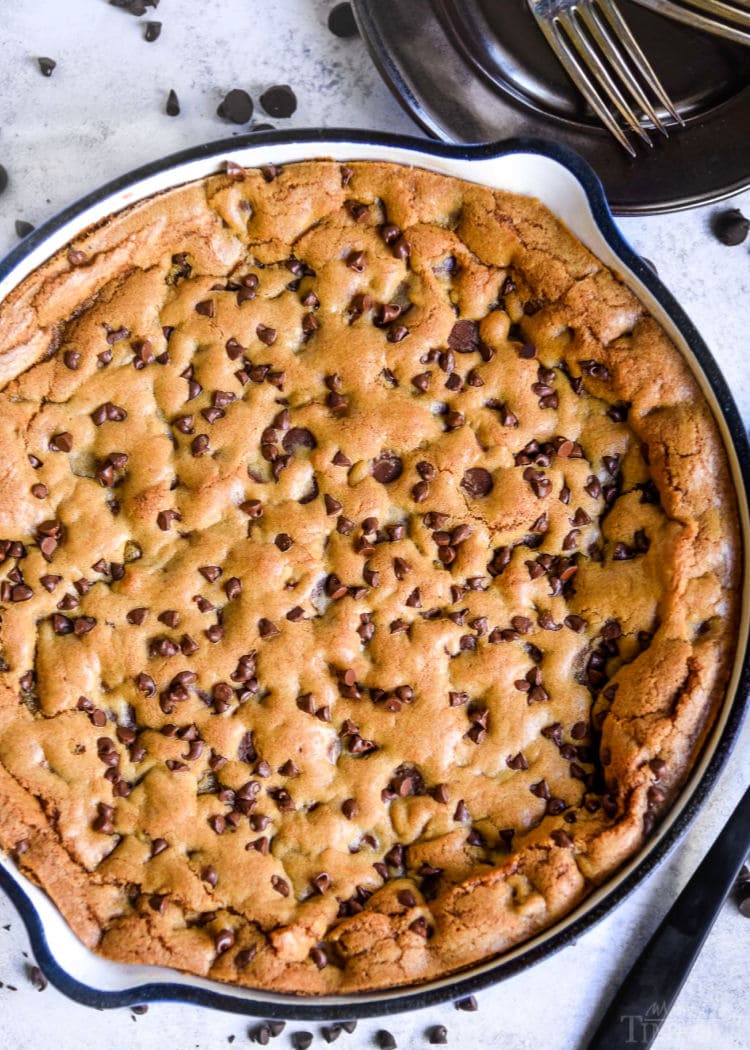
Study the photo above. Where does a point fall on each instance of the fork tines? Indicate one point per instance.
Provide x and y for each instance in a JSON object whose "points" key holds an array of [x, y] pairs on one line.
{"points": [[606, 63]]}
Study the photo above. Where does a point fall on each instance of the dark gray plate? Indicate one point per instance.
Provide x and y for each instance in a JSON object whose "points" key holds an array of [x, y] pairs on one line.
{"points": [[476, 70]]}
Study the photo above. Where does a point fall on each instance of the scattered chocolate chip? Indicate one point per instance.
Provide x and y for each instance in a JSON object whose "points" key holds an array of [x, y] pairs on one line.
{"points": [[437, 1034], [302, 1040], [46, 66], [731, 227], [260, 1034], [36, 977], [23, 229], [341, 21], [172, 108], [151, 31], [236, 106], [385, 1040], [279, 101], [468, 1004]]}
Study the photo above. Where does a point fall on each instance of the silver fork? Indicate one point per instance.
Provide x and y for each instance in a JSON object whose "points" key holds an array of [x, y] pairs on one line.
{"points": [[592, 41], [730, 20]]}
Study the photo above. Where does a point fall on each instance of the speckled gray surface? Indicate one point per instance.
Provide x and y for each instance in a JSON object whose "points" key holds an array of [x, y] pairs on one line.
{"points": [[101, 114]]}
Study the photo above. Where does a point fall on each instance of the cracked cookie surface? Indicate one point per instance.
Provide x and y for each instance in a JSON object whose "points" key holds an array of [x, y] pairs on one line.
{"points": [[369, 576]]}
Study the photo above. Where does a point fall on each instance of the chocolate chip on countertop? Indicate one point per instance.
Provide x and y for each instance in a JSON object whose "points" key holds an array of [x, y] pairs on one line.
{"points": [[236, 106], [731, 227], [469, 1004], [46, 65], [385, 1039], [438, 1034], [341, 21], [261, 1034], [3, 178], [36, 977], [302, 1040], [152, 31], [276, 1027], [279, 101], [140, 1009], [23, 228], [331, 1032], [172, 107]]}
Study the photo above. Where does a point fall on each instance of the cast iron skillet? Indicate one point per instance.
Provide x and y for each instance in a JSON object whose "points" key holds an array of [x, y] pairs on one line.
{"points": [[346, 144]]}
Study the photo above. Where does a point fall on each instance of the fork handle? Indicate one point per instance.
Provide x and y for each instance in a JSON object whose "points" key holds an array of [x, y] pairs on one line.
{"points": [[645, 997]]}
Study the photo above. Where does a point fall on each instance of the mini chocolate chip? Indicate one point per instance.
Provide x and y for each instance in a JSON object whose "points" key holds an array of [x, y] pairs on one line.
{"points": [[172, 107], [280, 885], [477, 482], [302, 1040], [152, 31], [244, 957], [46, 66], [350, 808], [437, 1034], [279, 101], [233, 588], [468, 1004], [341, 21], [236, 106], [23, 228], [464, 337], [298, 437], [387, 468], [267, 629], [61, 442], [223, 941], [406, 898], [265, 334]]}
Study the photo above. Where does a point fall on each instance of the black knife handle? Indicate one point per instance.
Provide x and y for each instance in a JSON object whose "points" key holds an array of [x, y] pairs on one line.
{"points": [[647, 994]]}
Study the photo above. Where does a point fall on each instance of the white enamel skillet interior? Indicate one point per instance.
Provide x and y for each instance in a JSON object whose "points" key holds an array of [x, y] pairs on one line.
{"points": [[565, 183]]}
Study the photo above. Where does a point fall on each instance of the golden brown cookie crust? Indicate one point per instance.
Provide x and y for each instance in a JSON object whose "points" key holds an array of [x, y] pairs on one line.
{"points": [[369, 576]]}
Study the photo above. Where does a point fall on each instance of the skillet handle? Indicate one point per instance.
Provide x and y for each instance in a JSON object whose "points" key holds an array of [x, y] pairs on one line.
{"points": [[645, 997]]}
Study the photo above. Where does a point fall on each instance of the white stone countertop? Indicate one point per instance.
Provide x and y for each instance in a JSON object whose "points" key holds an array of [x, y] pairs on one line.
{"points": [[102, 114]]}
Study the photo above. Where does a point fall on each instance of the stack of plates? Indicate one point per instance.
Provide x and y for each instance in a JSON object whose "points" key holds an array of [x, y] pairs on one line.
{"points": [[479, 70]]}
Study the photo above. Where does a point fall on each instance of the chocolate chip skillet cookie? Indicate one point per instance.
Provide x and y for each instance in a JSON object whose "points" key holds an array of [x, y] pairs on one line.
{"points": [[368, 581]]}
